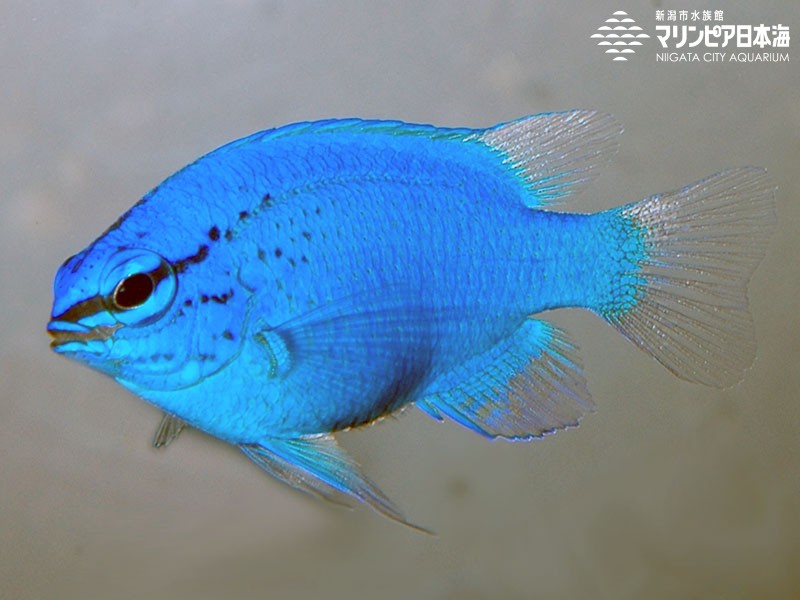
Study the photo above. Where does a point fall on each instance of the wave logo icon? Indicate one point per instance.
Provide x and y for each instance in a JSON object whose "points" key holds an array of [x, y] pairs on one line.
{"points": [[621, 35]]}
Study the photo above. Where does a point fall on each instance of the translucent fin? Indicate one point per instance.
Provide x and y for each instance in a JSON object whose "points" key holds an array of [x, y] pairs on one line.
{"points": [[556, 153], [168, 430], [701, 245], [317, 465], [526, 386]]}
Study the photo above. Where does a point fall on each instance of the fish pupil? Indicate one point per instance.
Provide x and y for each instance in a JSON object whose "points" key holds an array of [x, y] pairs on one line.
{"points": [[133, 291]]}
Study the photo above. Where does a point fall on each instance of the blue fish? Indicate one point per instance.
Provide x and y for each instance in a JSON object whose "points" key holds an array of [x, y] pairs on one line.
{"points": [[319, 276]]}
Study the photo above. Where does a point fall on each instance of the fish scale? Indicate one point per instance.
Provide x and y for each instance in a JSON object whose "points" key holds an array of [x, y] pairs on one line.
{"points": [[319, 276]]}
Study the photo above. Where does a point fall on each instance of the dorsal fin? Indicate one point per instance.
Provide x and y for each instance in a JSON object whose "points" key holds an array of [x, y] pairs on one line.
{"points": [[556, 153], [355, 125]]}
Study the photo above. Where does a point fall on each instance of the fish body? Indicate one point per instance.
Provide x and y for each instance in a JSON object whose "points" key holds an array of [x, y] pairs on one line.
{"points": [[316, 277]]}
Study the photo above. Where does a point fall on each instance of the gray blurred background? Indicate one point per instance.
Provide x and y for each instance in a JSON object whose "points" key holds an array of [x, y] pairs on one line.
{"points": [[670, 490]]}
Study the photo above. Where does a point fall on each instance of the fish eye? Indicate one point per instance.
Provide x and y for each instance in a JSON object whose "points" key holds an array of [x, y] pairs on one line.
{"points": [[133, 291], [138, 286]]}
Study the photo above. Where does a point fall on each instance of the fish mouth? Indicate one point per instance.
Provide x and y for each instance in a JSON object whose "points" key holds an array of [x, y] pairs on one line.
{"points": [[64, 332]]}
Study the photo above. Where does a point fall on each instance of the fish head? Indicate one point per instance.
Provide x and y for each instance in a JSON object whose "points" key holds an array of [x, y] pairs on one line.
{"points": [[114, 310]]}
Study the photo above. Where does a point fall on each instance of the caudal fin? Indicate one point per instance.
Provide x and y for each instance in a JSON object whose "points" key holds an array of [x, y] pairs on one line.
{"points": [[699, 244]]}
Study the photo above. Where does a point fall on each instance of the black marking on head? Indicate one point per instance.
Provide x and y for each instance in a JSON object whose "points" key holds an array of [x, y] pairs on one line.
{"points": [[77, 264], [303, 258], [222, 298], [244, 217], [227, 335], [218, 298], [307, 235], [159, 274], [194, 259], [317, 211], [187, 302], [278, 252]]}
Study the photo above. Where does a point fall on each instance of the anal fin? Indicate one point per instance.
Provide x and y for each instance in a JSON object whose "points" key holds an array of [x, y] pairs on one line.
{"points": [[526, 386]]}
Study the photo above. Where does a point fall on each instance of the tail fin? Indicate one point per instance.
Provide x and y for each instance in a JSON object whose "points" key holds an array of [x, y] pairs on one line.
{"points": [[699, 246]]}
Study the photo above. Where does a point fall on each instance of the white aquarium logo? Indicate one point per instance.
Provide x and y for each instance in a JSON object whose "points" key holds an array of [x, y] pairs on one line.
{"points": [[620, 35], [695, 36]]}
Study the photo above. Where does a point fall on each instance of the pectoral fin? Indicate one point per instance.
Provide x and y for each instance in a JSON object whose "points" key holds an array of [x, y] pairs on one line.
{"points": [[370, 350]]}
